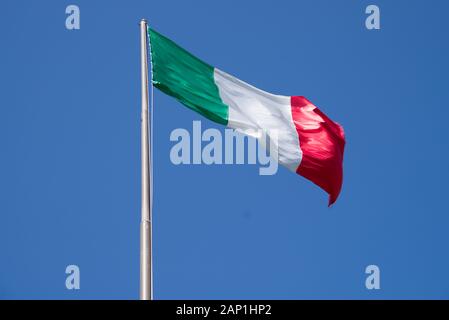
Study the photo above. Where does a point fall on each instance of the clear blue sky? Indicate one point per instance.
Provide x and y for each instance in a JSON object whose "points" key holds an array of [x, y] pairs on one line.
{"points": [[70, 153]]}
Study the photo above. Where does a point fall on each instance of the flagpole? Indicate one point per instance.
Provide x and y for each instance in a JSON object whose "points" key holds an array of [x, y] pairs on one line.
{"points": [[146, 260]]}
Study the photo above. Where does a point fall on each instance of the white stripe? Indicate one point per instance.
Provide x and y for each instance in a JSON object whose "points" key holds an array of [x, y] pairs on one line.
{"points": [[251, 109]]}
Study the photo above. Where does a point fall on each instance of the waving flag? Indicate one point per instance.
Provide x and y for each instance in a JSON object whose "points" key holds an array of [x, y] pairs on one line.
{"points": [[308, 142]]}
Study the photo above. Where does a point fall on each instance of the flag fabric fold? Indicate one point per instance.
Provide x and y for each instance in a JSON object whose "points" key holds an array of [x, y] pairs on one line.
{"points": [[308, 142]]}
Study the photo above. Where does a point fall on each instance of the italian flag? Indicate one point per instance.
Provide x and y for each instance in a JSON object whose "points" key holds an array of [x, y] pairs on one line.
{"points": [[308, 142]]}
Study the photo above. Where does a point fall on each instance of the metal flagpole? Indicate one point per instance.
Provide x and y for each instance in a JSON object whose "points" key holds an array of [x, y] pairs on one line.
{"points": [[146, 259]]}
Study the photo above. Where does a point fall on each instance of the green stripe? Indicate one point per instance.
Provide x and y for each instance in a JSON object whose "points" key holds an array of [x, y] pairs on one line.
{"points": [[186, 78]]}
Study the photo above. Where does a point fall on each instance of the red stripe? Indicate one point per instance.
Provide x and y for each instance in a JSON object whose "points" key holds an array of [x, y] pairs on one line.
{"points": [[322, 142]]}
